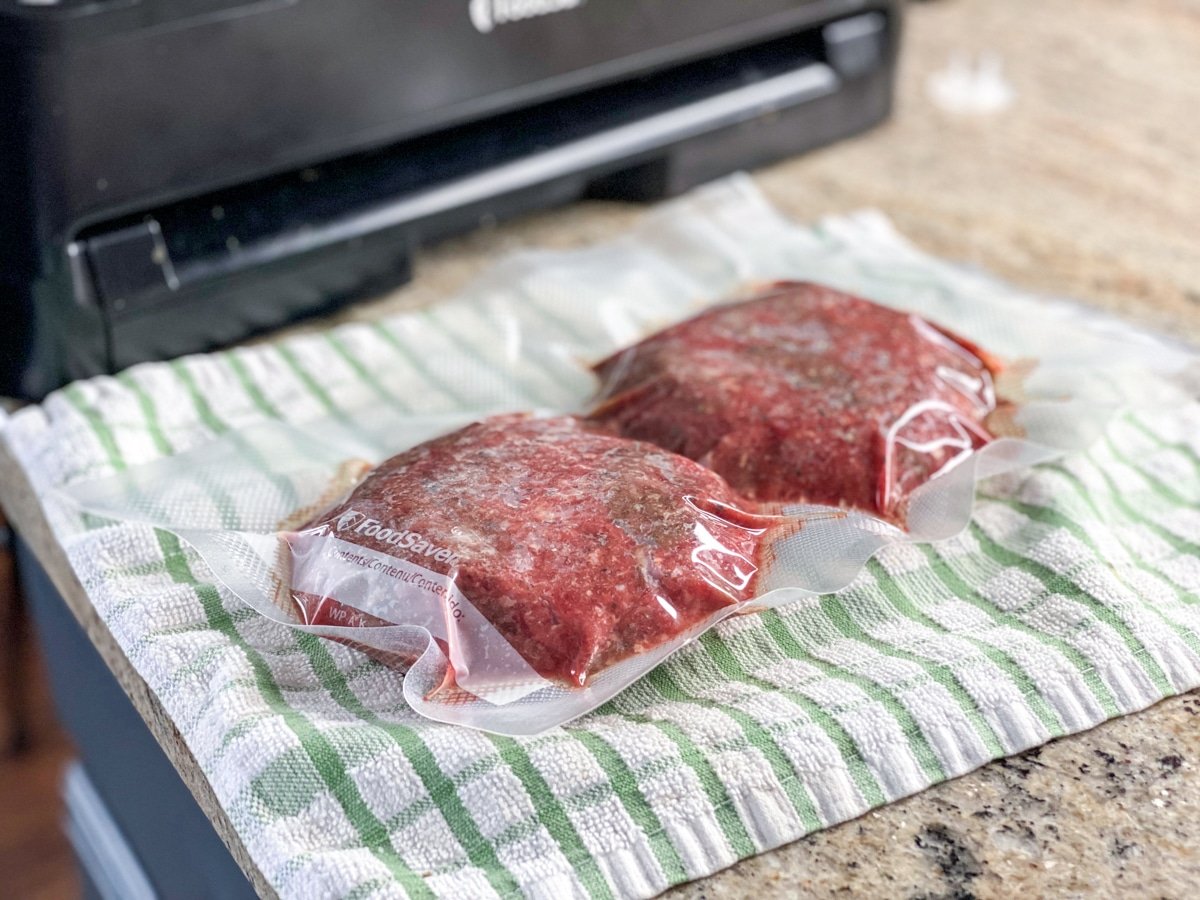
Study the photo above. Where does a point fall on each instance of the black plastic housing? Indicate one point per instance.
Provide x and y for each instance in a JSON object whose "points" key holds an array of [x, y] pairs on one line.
{"points": [[177, 175]]}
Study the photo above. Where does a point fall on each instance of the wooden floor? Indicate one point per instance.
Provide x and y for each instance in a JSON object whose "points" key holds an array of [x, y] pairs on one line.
{"points": [[35, 859]]}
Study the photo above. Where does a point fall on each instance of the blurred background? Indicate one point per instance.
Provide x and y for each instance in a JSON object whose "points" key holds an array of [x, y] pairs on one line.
{"points": [[1054, 144]]}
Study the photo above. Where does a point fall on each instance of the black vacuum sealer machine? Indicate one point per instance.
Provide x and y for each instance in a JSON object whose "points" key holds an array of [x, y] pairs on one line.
{"points": [[176, 175]]}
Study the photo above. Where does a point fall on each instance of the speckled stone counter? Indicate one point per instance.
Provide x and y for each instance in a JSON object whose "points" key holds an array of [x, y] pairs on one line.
{"points": [[1110, 812]]}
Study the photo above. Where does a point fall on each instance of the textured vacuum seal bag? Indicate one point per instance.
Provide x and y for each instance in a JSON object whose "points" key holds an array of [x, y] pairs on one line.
{"points": [[732, 413], [521, 569], [802, 393]]}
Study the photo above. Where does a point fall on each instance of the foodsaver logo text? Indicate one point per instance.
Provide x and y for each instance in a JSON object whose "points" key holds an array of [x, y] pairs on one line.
{"points": [[487, 14], [402, 539]]}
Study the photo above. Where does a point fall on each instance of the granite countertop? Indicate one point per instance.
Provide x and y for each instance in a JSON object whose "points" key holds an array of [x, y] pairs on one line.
{"points": [[1105, 812], [1088, 186]]}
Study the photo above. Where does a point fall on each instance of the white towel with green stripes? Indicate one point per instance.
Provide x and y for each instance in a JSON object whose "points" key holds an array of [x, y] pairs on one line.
{"points": [[1073, 597]]}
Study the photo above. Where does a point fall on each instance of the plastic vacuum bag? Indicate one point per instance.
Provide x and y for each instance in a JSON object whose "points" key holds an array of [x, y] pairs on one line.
{"points": [[537, 550], [802, 393], [520, 570], [524, 569]]}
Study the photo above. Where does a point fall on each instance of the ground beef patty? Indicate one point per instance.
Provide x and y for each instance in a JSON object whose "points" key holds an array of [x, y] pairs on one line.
{"points": [[581, 548], [806, 394]]}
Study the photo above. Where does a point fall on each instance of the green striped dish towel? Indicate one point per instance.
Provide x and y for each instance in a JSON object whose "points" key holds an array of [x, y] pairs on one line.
{"points": [[1073, 597]]}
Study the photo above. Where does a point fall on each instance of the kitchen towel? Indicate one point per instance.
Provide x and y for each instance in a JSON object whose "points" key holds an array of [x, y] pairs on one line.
{"points": [[1071, 598]]}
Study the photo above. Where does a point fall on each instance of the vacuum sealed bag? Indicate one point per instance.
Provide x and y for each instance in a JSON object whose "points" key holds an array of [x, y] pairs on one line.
{"points": [[520, 569], [688, 456], [803, 393], [575, 548]]}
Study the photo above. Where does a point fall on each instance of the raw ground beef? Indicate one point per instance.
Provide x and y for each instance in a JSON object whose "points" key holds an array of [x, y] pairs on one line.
{"points": [[579, 547], [806, 394]]}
